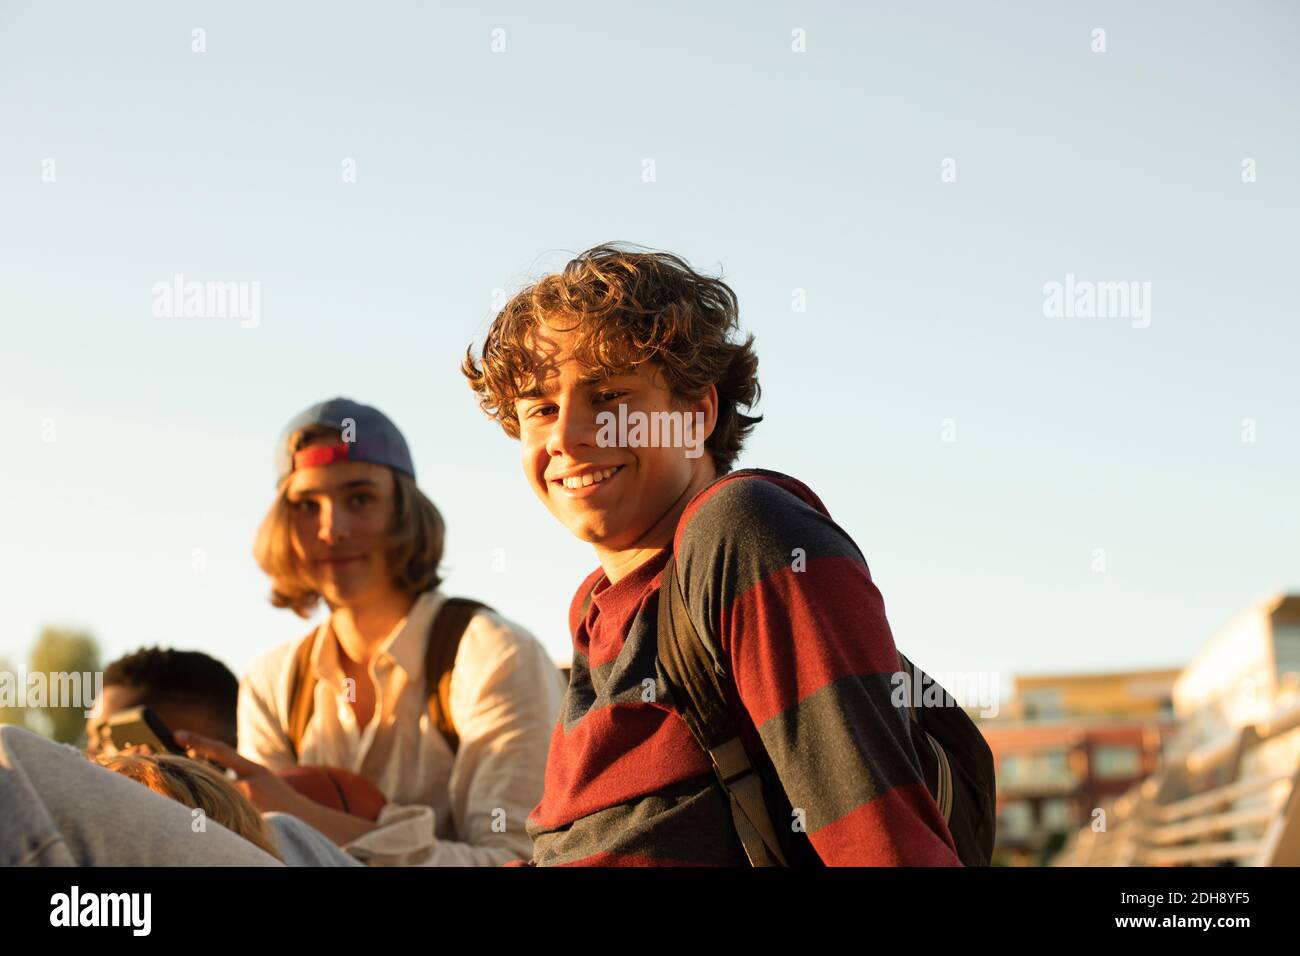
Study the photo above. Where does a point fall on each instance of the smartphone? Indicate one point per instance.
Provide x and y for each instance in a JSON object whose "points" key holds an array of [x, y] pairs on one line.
{"points": [[140, 725]]}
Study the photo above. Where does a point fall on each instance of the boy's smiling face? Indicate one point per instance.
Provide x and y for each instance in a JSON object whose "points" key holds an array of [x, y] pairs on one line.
{"points": [[641, 491], [341, 519]]}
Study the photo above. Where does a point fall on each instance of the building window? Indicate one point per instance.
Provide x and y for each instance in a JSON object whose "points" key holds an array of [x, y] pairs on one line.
{"points": [[1045, 768], [1116, 762], [1057, 815], [1016, 820], [1043, 703]]}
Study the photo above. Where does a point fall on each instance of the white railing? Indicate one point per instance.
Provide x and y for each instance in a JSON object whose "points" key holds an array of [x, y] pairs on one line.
{"points": [[1213, 806]]}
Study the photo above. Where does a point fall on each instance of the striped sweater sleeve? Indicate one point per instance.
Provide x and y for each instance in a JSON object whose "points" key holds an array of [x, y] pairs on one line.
{"points": [[780, 590]]}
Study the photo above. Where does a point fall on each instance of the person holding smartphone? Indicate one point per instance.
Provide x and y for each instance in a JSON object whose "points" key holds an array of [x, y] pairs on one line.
{"points": [[179, 688]]}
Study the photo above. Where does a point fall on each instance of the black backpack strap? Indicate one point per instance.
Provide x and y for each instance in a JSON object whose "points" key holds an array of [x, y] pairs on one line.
{"points": [[956, 764], [937, 771], [695, 680]]}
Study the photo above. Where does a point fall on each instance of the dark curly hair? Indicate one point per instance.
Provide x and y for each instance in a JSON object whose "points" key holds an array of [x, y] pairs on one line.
{"points": [[179, 677], [628, 305]]}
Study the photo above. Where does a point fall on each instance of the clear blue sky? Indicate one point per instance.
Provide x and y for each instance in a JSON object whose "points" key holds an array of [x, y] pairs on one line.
{"points": [[817, 171]]}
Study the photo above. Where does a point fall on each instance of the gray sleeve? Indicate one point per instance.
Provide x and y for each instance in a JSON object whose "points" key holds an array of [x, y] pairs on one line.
{"points": [[301, 844], [59, 809]]}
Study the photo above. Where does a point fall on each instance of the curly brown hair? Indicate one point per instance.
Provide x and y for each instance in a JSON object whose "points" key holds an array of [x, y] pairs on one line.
{"points": [[628, 305]]}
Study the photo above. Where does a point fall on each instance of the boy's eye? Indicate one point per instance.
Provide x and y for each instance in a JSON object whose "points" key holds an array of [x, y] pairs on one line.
{"points": [[538, 410], [609, 396], [360, 499]]}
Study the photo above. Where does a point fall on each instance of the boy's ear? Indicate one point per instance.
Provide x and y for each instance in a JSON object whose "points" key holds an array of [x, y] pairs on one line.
{"points": [[708, 404]]}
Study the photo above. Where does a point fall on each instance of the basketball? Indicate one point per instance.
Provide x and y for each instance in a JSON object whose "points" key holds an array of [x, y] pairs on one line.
{"points": [[337, 789]]}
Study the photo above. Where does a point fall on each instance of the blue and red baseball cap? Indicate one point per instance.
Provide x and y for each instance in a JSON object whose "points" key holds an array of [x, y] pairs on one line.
{"points": [[367, 435]]}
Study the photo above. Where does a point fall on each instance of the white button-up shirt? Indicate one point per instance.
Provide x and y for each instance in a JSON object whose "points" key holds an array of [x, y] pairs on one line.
{"points": [[466, 809]]}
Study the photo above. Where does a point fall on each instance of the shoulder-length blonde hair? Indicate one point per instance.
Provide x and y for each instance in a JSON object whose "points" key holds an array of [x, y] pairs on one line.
{"points": [[415, 540], [198, 787]]}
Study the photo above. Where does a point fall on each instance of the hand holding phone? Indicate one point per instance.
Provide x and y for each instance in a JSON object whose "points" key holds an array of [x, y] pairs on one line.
{"points": [[138, 726]]}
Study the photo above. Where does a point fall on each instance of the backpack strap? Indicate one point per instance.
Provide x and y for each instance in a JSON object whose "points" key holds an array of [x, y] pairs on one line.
{"points": [[942, 788], [439, 657], [448, 628], [695, 681], [302, 693]]}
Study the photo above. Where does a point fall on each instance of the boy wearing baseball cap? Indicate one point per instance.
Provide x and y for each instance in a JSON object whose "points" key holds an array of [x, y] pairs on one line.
{"points": [[437, 701]]}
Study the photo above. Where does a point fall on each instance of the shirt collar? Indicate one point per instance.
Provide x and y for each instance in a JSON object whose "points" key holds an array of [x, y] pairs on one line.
{"points": [[409, 640], [606, 595], [406, 644]]}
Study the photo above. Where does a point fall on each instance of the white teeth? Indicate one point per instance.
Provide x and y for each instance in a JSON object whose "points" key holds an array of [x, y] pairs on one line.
{"points": [[582, 481]]}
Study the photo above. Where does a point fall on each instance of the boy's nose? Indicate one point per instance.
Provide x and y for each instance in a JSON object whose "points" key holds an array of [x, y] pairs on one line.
{"points": [[571, 431], [333, 525]]}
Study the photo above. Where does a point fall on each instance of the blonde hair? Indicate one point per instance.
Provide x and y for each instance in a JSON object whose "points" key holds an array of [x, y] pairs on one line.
{"points": [[415, 539], [198, 787]]}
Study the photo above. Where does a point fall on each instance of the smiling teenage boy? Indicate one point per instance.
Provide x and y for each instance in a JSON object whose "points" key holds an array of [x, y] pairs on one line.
{"points": [[806, 642]]}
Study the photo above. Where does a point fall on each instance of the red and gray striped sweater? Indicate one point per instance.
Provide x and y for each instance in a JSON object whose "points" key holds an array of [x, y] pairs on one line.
{"points": [[812, 656]]}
